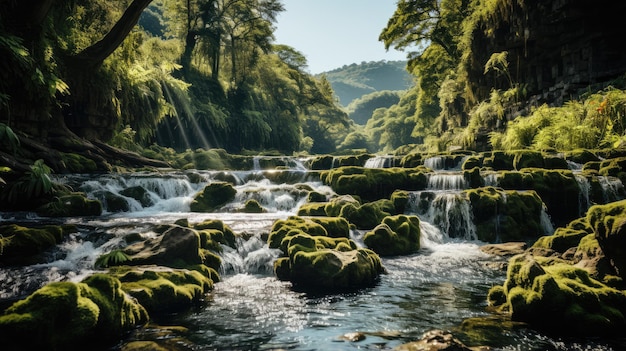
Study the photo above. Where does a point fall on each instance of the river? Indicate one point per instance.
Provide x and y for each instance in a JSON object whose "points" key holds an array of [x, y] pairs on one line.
{"points": [[437, 288]]}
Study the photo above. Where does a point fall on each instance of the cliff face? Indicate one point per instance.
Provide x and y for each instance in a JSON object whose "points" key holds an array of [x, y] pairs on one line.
{"points": [[556, 48]]}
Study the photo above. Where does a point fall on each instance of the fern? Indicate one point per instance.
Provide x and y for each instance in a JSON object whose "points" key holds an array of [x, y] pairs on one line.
{"points": [[8, 138], [113, 258]]}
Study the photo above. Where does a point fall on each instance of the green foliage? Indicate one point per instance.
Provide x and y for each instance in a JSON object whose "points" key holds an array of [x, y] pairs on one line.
{"points": [[113, 258], [8, 139], [361, 109], [352, 82], [594, 122], [34, 184]]}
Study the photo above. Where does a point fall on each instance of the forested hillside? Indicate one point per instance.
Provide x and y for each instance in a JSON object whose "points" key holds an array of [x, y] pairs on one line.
{"points": [[79, 76], [353, 81]]}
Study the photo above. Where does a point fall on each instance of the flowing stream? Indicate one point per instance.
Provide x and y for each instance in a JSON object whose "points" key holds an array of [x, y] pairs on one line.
{"points": [[438, 288]]}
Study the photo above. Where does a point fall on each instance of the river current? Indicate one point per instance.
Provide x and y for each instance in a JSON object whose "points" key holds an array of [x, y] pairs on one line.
{"points": [[440, 287]]}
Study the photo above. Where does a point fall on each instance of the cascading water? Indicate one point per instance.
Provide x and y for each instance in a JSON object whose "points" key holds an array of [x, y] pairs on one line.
{"points": [[249, 309]]}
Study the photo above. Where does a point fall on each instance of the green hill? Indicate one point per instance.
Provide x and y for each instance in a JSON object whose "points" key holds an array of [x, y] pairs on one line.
{"points": [[351, 82]]}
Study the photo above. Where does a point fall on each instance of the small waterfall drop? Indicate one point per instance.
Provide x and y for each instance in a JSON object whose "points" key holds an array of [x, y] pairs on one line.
{"points": [[385, 161], [446, 181], [449, 211], [251, 255]]}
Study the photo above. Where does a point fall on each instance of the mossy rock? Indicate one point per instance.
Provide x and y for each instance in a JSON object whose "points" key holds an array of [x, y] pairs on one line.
{"points": [[253, 206], [555, 296], [472, 162], [609, 224], [396, 235], [312, 209], [212, 197], [22, 245], [473, 178], [175, 246], [527, 159], [283, 229], [75, 163], [293, 225], [374, 183], [498, 161], [558, 189], [581, 156], [67, 315], [565, 238], [71, 205], [335, 205], [368, 215], [138, 193], [322, 162], [162, 289], [505, 215], [411, 160], [228, 235]]}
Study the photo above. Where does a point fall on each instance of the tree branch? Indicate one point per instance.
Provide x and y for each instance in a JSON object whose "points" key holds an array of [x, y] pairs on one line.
{"points": [[95, 54]]}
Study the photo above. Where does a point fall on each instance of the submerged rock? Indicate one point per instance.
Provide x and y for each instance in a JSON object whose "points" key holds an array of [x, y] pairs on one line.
{"points": [[438, 340]]}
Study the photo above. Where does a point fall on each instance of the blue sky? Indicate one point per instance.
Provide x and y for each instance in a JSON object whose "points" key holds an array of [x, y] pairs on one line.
{"points": [[333, 33]]}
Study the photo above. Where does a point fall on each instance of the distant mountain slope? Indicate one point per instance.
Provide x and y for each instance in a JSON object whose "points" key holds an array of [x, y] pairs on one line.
{"points": [[353, 81]]}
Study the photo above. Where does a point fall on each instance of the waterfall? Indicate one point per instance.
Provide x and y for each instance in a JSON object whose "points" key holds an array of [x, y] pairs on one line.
{"points": [[612, 188], [450, 212], [446, 181], [436, 163], [251, 256], [385, 161], [583, 195]]}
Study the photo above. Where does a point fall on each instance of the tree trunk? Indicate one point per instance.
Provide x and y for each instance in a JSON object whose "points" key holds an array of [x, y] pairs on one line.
{"points": [[94, 55], [85, 115]]}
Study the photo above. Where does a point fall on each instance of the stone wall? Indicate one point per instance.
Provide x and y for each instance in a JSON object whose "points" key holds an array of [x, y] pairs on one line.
{"points": [[558, 48]]}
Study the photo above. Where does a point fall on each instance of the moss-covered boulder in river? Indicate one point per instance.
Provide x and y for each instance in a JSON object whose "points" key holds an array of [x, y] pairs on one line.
{"points": [[163, 289], [23, 245], [396, 235], [374, 183], [553, 295], [67, 315], [506, 215], [318, 255], [212, 197]]}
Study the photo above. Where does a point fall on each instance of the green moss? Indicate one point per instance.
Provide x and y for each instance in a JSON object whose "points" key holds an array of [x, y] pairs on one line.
{"points": [[527, 159], [75, 163], [396, 235], [313, 209], [213, 196], [228, 236], [374, 183], [21, 245], [71, 205], [162, 290], [558, 189], [65, 315], [609, 224], [292, 226], [556, 296]]}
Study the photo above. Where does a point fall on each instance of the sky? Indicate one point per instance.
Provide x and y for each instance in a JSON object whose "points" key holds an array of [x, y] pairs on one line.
{"points": [[333, 33]]}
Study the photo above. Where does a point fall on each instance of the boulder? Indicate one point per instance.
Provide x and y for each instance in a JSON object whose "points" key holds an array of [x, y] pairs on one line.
{"points": [[555, 296], [212, 197], [71, 205], [65, 315], [396, 235], [609, 225], [161, 289]]}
